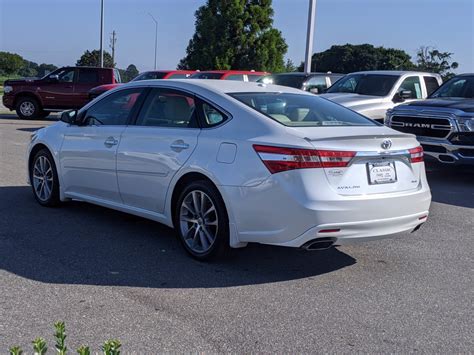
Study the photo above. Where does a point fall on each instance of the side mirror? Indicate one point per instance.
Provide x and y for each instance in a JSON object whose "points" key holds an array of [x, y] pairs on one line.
{"points": [[69, 117], [314, 91], [405, 94], [54, 77]]}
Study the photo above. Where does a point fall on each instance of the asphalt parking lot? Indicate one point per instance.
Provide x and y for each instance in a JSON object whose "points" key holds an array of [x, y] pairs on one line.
{"points": [[111, 275]]}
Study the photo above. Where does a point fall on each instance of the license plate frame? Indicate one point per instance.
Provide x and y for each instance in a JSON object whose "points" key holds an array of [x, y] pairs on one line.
{"points": [[382, 175]]}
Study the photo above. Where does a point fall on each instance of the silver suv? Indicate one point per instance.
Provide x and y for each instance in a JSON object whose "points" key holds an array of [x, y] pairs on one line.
{"points": [[372, 93]]}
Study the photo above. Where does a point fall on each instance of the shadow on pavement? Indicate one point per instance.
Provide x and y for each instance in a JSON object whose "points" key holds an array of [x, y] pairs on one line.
{"points": [[13, 116], [451, 185], [80, 243]]}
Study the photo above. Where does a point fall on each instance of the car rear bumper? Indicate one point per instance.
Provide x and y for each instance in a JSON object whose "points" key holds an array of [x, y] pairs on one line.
{"points": [[352, 232], [271, 214]]}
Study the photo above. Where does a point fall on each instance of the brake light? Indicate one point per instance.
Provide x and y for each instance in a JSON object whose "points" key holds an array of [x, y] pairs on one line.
{"points": [[416, 154], [278, 159]]}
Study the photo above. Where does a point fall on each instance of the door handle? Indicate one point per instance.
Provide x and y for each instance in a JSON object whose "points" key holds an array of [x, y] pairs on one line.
{"points": [[110, 142], [179, 145]]}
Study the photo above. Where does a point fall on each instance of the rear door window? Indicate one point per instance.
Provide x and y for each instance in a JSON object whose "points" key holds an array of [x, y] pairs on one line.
{"points": [[87, 76], [168, 108], [316, 84]]}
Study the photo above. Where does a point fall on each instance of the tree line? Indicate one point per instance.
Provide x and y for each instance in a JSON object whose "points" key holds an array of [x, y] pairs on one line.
{"points": [[239, 34], [12, 64]]}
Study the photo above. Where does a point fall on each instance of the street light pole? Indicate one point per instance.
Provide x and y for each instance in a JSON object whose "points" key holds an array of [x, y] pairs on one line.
{"points": [[156, 34], [101, 33], [310, 36]]}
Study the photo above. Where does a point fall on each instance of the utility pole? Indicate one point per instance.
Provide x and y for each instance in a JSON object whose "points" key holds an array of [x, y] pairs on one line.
{"points": [[113, 39], [156, 34], [310, 36], [101, 33]]}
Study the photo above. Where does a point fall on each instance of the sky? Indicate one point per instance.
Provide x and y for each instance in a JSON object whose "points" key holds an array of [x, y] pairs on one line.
{"points": [[59, 31]]}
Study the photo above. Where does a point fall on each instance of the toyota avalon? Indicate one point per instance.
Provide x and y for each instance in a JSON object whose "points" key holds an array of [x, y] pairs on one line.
{"points": [[228, 163]]}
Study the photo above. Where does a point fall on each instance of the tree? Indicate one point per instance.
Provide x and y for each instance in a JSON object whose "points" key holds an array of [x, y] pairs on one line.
{"points": [[432, 60], [10, 63], [290, 66], [131, 72], [29, 69], [235, 34], [349, 58], [92, 59], [44, 69]]}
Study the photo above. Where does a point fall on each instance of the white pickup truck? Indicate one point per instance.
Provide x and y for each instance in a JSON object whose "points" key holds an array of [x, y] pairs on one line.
{"points": [[372, 93]]}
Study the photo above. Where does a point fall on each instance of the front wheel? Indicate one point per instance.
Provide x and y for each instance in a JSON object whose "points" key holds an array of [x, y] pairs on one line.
{"points": [[28, 108], [44, 179], [201, 221]]}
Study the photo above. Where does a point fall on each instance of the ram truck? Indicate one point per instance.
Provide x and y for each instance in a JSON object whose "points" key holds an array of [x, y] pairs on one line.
{"points": [[444, 123], [65, 88]]}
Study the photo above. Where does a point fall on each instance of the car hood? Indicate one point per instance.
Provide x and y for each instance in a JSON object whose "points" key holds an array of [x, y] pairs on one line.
{"points": [[458, 103], [352, 100], [27, 81]]}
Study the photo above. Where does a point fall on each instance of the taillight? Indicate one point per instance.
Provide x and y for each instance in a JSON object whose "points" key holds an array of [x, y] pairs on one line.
{"points": [[278, 159], [416, 154]]}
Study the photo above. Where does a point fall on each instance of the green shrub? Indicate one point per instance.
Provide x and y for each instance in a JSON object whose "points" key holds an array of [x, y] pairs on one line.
{"points": [[110, 347]]}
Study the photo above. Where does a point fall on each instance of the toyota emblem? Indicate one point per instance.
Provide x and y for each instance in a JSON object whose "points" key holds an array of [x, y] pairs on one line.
{"points": [[386, 144]]}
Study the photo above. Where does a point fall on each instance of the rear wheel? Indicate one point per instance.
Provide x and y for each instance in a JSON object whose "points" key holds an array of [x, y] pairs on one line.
{"points": [[44, 179], [28, 108], [201, 221]]}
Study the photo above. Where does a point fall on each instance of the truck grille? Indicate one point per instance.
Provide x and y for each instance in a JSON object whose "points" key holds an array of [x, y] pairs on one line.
{"points": [[422, 126]]}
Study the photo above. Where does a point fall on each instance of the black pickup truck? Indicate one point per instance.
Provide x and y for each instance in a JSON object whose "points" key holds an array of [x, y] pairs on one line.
{"points": [[444, 123]]}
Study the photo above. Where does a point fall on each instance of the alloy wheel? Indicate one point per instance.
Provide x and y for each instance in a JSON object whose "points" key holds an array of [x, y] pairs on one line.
{"points": [[27, 108], [43, 178], [198, 221]]}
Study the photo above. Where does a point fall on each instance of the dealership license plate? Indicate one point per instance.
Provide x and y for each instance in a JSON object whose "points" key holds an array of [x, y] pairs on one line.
{"points": [[381, 173]]}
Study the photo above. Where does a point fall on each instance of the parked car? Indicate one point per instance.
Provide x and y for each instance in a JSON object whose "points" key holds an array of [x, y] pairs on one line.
{"points": [[444, 123], [372, 93], [317, 83], [236, 163], [65, 88], [238, 75], [148, 75]]}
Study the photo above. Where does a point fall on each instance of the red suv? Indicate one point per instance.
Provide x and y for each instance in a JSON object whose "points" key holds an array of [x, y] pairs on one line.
{"points": [[156, 74], [65, 88], [239, 75]]}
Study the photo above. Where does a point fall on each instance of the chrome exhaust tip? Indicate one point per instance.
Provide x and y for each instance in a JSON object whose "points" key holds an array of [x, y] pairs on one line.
{"points": [[319, 244]]}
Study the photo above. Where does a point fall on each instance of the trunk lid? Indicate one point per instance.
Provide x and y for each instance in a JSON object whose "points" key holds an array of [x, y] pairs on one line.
{"points": [[381, 163]]}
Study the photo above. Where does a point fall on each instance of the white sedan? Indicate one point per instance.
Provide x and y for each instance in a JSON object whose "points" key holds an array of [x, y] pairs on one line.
{"points": [[227, 163]]}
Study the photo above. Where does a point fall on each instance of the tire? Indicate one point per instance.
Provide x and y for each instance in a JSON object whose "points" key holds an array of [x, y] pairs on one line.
{"points": [[44, 179], [28, 108], [203, 230]]}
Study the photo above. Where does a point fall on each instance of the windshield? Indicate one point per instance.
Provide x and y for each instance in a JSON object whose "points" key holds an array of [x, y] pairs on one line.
{"points": [[299, 110], [150, 75], [365, 84], [294, 81], [207, 76], [460, 86]]}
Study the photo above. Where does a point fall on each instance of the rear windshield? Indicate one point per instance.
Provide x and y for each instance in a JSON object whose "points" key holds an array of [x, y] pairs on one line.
{"points": [[299, 110], [150, 75], [207, 76], [460, 86], [365, 84], [294, 81]]}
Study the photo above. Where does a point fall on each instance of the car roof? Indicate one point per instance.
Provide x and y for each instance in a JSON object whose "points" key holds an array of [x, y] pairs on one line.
{"points": [[233, 72], [306, 74], [219, 86], [392, 72]]}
